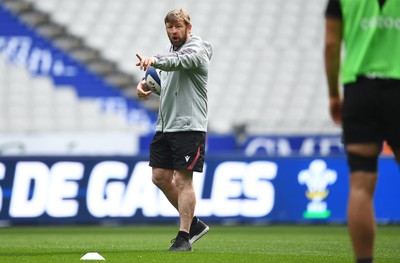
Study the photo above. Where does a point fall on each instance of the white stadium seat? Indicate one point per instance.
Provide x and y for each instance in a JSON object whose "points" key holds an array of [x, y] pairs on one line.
{"points": [[267, 55]]}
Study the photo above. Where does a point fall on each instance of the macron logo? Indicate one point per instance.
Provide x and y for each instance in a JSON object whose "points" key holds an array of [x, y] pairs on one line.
{"points": [[187, 157]]}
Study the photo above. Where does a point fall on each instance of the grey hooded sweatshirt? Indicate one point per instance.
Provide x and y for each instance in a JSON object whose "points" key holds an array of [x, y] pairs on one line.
{"points": [[184, 76]]}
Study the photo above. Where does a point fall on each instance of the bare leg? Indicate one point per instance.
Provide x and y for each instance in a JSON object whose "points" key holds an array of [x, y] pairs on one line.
{"points": [[360, 213], [186, 198], [165, 181], [178, 188], [360, 209]]}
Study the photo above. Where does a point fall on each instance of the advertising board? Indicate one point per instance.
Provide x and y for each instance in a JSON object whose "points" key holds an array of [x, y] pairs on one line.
{"points": [[230, 190]]}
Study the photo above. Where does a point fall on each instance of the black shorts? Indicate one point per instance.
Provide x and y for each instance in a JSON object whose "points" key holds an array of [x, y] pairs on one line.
{"points": [[178, 150], [371, 112]]}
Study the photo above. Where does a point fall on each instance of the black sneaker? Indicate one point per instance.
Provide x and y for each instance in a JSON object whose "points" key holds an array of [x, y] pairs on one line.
{"points": [[197, 231], [180, 244]]}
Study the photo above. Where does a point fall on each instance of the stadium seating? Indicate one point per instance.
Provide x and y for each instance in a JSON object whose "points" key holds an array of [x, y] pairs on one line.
{"points": [[267, 70], [33, 105]]}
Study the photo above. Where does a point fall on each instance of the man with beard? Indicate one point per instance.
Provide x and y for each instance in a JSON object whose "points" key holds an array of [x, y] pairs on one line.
{"points": [[178, 146]]}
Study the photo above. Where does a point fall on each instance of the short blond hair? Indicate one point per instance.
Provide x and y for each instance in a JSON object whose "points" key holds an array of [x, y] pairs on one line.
{"points": [[177, 15]]}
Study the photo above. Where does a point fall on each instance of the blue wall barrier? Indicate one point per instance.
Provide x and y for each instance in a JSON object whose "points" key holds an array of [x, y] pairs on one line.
{"points": [[278, 145], [232, 189]]}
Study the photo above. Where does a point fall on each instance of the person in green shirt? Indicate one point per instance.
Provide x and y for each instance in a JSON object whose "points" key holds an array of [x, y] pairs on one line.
{"points": [[368, 111]]}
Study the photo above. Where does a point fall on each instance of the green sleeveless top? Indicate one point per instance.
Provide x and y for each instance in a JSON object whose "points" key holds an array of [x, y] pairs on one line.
{"points": [[372, 39]]}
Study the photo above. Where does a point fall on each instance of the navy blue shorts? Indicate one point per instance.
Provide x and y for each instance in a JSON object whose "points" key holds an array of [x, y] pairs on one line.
{"points": [[371, 112], [178, 150]]}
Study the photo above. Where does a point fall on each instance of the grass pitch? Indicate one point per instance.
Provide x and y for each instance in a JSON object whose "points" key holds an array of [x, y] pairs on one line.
{"points": [[270, 243]]}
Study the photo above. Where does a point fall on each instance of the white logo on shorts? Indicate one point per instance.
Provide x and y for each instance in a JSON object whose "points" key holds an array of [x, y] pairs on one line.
{"points": [[187, 157]]}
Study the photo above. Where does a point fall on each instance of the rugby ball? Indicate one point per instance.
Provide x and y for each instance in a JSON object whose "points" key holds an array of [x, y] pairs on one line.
{"points": [[152, 77]]}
